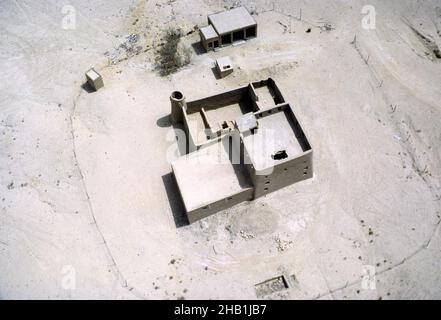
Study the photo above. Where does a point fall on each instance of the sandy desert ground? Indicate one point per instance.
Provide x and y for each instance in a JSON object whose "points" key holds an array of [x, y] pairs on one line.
{"points": [[88, 205]]}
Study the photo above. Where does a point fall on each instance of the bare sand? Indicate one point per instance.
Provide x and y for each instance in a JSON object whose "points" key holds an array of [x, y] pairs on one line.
{"points": [[88, 208]]}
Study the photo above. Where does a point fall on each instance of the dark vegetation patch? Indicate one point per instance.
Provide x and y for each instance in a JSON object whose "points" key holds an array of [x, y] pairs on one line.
{"points": [[170, 56]]}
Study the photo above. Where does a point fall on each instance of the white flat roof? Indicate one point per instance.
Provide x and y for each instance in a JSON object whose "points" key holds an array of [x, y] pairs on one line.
{"points": [[203, 179], [208, 32], [223, 61], [234, 19]]}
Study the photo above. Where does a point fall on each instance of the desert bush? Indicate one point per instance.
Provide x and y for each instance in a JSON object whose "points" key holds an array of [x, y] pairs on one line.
{"points": [[172, 56]]}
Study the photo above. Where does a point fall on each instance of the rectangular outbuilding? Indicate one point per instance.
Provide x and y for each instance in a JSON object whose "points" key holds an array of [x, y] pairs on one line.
{"points": [[94, 79], [209, 38], [228, 27]]}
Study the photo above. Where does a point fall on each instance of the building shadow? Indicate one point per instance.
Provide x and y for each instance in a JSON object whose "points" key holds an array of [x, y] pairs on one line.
{"points": [[182, 138], [175, 200], [87, 87], [198, 48], [215, 73], [164, 122]]}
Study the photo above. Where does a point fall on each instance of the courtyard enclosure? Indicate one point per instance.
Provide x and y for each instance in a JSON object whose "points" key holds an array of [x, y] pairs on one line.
{"points": [[251, 144]]}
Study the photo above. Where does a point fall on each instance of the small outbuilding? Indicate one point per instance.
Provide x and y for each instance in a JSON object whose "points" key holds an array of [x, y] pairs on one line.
{"points": [[209, 38], [224, 66], [227, 27], [94, 79]]}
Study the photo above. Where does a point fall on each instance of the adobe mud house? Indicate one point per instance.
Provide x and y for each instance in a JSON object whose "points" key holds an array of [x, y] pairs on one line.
{"points": [[225, 28], [243, 144]]}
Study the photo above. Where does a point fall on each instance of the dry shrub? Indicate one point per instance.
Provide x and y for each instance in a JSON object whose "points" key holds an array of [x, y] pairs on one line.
{"points": [[172, 56]]}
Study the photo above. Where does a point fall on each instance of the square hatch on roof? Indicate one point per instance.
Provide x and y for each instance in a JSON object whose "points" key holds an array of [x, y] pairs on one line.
{"points": [[229, 21]]}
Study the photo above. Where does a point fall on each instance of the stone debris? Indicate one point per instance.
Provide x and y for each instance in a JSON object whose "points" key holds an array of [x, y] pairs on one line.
{"points": [[282, 245], [246, 235], [129, 48]]}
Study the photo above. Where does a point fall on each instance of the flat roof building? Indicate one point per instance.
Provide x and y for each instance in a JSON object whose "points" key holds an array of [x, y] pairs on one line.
{"points": [[243, 144], [232, 20], [228, 27], [224, 66]]}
